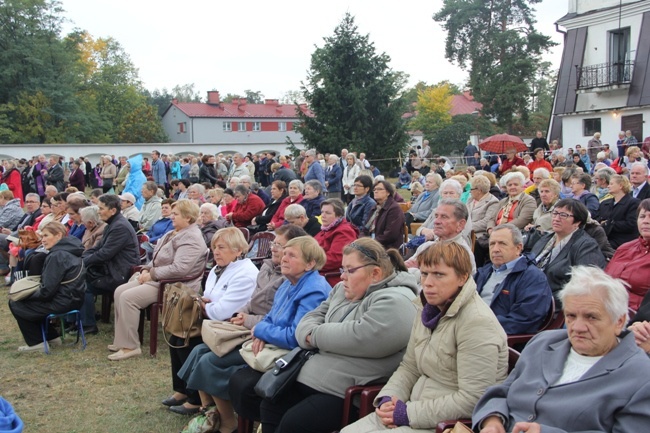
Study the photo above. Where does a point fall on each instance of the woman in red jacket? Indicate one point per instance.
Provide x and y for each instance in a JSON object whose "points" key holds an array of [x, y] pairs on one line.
{"points": [[631, 262], [335, 233], [11, 177]]}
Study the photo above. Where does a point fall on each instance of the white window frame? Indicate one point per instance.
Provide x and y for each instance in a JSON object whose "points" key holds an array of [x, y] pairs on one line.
{"points": [[182, 127], [257, 126], [241, 127], [227, 126], [282, 126]]}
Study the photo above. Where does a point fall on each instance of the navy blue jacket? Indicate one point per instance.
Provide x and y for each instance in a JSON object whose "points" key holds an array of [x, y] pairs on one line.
{"points": [[312, 206], [333, 176], [522, 300], [359, 212]]}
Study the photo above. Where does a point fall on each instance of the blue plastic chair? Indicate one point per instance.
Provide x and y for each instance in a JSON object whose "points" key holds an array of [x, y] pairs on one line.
{"points": [[62, 317]]}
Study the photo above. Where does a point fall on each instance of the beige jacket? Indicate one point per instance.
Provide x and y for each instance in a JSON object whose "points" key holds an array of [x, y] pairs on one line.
{"points": [[483, 212], [445, 372], [179, 254]]}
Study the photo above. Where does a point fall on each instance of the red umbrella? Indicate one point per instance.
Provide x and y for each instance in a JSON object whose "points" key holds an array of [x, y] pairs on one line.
{"points": [[501, 142]]}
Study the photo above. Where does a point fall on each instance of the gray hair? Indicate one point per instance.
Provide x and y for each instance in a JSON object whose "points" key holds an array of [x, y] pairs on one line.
{"points": [[593, 281], [481, 183], [437, 179], [311, 152], [460, 210], [511, 176], [316, 185], [90, 213], [605, 174], [235, 180], [334, 158], [246, 178], [241, 189], [298, 183], [198, 187], [542, 172], [34, 196], [640, 164], [294, 211], [451, 184], [212, 208], [517, 238]]}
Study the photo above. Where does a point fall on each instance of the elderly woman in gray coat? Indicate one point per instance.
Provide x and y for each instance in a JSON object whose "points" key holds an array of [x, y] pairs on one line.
{"points": [[180, 253], [587, 378], [373, 304]]}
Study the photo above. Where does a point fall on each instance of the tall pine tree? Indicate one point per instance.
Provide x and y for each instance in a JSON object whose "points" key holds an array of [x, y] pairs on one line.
{"points": [[354, 97], [497, 41]]}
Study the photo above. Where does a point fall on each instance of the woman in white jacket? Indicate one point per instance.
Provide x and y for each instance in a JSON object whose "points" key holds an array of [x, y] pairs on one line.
{"points": [[350, 172], [228, 289]]}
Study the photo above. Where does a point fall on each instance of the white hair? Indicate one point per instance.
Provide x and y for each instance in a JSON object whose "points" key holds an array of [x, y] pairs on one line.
{"points": [[513, 175], [593, 281], [542, 172]]}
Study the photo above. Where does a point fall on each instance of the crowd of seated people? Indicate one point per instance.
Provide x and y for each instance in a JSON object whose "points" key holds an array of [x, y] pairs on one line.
{"points": [[499, 263]]}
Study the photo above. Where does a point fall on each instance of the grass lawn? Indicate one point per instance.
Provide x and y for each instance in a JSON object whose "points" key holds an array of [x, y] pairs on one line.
{"points": [[72, 391]]}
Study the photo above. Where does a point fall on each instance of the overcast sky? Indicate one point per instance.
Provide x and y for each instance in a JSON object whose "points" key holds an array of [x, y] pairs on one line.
{"points": [[267, 45]]}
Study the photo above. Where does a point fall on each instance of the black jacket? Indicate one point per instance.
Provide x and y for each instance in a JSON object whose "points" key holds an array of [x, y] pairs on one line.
{"points": [[619, 221], [62, 263], [118, 251], [207, 173], [271, 209], [581, 249], [285, 175], [55, 177]]}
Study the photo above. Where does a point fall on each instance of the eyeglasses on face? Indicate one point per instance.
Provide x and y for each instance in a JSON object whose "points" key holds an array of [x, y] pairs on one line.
{"points": [[351, 271], [379, 189], [562, 215], [277, 246]]}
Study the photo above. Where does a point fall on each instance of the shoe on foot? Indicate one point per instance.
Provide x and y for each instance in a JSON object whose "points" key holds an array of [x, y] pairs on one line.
{"points": [[171, 401], [92, 329], [36, 347], [121, 354], [113, 348], [182, 410]]}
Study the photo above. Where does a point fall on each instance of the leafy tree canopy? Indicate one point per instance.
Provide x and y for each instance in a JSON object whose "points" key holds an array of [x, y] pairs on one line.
{"points": [[497, 41], [433, 106], [56, 89], [355, 98]]}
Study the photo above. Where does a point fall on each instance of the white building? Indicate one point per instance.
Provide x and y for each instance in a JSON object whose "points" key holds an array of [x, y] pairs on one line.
{"points": [[604, 79], [235, 126]]}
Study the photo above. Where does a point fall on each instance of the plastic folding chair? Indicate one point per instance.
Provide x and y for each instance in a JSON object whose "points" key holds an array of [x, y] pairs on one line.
{"points": [[80, 329]]}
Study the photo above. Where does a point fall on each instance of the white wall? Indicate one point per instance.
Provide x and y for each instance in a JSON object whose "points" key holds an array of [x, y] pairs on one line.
{"points": [[17, 151], [610, 126], [582, 6], [170, 122]]}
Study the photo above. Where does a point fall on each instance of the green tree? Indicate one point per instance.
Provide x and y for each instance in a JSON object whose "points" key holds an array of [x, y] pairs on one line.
{"points": [[497, 41], [453, 138], [433, 107], [354, 98]]}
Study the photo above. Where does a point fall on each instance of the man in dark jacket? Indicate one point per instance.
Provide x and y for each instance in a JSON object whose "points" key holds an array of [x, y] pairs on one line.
{"points": [[54, 174], [109, 263], [515, 289]]}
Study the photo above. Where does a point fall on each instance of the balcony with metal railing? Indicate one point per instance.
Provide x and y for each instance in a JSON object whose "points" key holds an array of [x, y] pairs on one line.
{"points": [[604, 76]]}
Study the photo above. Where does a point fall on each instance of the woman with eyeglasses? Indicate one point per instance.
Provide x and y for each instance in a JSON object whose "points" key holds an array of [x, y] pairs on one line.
{"points": [[456, 350], [386, 225], [302, 291], [567, 245], [362, 206], [373, 303]]}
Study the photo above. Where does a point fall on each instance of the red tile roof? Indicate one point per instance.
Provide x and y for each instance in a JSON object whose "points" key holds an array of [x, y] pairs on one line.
{"points": [[236, 110], [464, 104]]}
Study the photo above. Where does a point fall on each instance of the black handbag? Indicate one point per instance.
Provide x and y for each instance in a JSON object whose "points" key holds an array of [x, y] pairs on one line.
{"points": [[274, 383]]}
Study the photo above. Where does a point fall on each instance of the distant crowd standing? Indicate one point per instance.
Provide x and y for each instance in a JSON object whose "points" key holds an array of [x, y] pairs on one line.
{"points": [[427, 296]]}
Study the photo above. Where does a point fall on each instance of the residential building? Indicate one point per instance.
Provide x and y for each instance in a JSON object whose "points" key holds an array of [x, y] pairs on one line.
{"points": [[604, 78], [233, 126]]}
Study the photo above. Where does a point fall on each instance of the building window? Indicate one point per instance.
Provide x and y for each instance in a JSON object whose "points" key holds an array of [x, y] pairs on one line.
{"points": [[257, 126], [282, 126], [227, 126], [241, 126], [590, 127], [182, 127]]}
